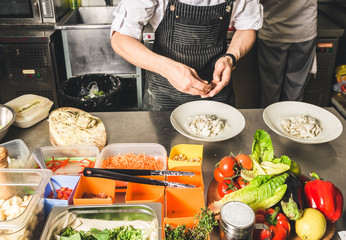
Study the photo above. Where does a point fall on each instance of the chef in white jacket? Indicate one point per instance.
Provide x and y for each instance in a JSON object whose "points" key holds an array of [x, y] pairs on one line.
{"points": [[190, 58]]}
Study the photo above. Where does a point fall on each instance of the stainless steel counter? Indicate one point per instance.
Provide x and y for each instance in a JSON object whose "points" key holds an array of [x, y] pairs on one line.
{"points": [[327, 159]]}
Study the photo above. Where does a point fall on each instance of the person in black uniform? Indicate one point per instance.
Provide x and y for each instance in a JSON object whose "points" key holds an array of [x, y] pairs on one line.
{"points": [[190, 59]]}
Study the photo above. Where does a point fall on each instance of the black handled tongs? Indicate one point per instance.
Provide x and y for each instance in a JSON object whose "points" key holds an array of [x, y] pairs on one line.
{"points": [[131, 175]]}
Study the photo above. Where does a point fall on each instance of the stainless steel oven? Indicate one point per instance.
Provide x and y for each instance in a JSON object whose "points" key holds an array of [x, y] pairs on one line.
{"points": [[32, 12]]}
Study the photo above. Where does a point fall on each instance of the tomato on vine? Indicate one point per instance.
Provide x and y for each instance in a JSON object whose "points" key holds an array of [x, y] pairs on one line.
{"points": [[227, 166], [244, 161], [227, 187], [218, 175], [242, 182]]}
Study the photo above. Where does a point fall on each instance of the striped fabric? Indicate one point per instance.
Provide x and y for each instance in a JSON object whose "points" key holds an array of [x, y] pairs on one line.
{"points": [[195, 36]]}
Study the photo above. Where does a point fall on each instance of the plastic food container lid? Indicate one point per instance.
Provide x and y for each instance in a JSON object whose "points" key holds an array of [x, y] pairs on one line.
{"points": [[23, 182], [29, 106]]}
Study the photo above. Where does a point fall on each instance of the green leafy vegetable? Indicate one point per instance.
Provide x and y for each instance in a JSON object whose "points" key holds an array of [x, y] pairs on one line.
{"points": [[122, 233], [263, 191], [262, 147], [200, 231]]}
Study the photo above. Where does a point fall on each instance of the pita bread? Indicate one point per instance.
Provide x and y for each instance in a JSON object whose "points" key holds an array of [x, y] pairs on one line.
{"points": [[70, 126]]}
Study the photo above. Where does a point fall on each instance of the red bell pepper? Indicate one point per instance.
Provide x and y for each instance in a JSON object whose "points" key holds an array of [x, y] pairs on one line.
{"points": [[324, 196], [279, 225]]}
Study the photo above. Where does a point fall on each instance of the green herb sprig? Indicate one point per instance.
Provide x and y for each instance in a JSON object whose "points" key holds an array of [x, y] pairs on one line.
{"points": [[204, 223]]}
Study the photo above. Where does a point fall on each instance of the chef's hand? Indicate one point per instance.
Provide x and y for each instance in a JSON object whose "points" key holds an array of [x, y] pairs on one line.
{"points": [[186, 80], [221, 76]]}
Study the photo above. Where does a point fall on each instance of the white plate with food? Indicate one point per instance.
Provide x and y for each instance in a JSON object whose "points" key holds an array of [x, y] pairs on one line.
{"points": [[302, 122], [207, 121]]}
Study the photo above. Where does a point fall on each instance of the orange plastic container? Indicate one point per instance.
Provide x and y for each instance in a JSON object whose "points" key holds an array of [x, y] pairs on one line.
{"points": [[191, 151], [196, 180], [182, 204], [94, 185], [140, 193]]}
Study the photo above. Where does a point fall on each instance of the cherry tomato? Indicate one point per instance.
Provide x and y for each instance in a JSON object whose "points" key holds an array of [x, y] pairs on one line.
{"points": [[244, 161], [227, 187], [218, 175], [227, 166], [241, 182]]}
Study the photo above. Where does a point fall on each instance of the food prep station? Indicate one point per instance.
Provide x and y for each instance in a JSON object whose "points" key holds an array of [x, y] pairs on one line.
{"points": [[154, 128]]}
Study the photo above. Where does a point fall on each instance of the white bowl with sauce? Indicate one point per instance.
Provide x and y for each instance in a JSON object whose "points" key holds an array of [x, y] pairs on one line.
{"points": [[274, 114], [183, 115]]}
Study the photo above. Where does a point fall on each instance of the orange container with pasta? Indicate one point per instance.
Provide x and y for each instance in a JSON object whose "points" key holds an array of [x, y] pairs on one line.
{"points": [[182, 205], [196, 180], [132, 156], [88, 186]]}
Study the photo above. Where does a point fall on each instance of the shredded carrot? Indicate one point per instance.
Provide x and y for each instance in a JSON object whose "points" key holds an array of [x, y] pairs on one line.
{"points": [[54, 164], [133, 161]]}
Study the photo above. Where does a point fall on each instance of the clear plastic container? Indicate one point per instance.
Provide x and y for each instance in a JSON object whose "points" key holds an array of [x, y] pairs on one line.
{"points": [[77, 156], [149, 149], [24, 182], [30, 109], [18, 153]]}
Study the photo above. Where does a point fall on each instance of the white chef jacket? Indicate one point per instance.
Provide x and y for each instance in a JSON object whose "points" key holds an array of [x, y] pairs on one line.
{"points": [[131, 16]]}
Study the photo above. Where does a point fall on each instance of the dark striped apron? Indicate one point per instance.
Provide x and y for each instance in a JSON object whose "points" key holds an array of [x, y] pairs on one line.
{"points": [[195, 36]]}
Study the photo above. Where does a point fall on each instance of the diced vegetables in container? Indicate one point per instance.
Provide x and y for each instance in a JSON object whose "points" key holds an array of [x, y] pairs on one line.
{"points": [[21, 193], [63, 184], [68, 160], [94, 190], [18, 153]]}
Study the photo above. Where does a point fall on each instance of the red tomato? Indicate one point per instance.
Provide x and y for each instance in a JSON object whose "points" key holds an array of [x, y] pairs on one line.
{"points": [[244, 161], [227, 166], [218, 175], [241, 182], [227, 187]]}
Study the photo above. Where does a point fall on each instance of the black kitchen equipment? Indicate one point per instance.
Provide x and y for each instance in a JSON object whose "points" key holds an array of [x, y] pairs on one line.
{"points": [[31, 62], [128, 176], [91, 92]]}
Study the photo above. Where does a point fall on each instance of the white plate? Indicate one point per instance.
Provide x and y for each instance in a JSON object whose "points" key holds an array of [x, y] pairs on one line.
{"points": [[182, 116], [330, 124]]}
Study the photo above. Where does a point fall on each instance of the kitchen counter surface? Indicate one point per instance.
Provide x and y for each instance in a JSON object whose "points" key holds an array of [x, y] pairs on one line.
{"points": [[327, 159]]}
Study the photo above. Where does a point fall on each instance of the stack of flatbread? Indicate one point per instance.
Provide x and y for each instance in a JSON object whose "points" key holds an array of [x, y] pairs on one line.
{"points": [[71, 126]]}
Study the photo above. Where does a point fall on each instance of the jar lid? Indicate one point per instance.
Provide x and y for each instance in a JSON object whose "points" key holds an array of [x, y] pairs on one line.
{"points": [[237, 214]]}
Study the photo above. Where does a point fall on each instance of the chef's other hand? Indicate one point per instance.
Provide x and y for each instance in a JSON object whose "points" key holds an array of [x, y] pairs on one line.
{"points": [[186, 80], [221, 76]]}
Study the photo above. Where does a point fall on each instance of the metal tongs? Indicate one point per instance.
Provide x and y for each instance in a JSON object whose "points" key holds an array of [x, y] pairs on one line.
{"points": [[131, 175]]}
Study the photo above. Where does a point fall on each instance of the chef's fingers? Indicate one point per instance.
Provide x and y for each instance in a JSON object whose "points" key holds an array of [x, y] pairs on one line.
{"points": [[219, 85]]}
